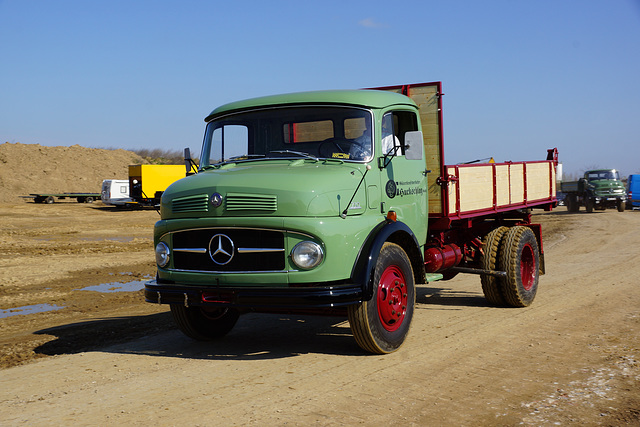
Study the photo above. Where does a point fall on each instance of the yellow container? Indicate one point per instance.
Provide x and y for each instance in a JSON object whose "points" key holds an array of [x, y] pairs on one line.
{"points": [[147, 182]]}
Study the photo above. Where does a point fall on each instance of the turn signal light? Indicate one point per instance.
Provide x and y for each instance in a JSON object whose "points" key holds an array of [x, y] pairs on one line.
{"points": [[392, 216]]}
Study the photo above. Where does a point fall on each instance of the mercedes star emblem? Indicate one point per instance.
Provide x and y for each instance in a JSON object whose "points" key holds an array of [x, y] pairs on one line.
{"points": [[216, 200], [221, 249]]}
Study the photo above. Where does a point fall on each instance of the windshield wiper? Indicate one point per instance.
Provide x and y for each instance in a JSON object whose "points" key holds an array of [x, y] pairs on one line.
{"points": [[244, 156], [232, 160], [296, 153]]}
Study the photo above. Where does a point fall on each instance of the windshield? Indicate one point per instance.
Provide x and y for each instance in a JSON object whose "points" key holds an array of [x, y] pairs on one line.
{"points": [[310, 132], [607, 174]]}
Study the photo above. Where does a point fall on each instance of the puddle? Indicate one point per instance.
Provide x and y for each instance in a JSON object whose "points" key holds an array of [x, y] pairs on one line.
{"points": [[28, 309], [134, 286]]}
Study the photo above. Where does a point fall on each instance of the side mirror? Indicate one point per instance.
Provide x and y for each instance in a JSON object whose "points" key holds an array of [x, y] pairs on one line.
{"points": [[189, 163], [413, 145]]}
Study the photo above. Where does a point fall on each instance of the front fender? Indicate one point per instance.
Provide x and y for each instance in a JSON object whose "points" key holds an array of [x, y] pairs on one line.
{"points": [[364, 269]]}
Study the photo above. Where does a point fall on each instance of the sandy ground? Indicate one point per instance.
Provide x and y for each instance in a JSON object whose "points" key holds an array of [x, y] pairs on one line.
{"points": [[111, 359]]}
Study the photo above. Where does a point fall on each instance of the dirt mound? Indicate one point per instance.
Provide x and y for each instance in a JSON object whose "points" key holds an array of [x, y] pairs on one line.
{"points": [[33, 168]]}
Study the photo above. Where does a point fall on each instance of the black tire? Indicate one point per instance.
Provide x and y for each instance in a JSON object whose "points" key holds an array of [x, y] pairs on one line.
{"points": [[204, 324], [520, 258], [489, 261], [588, 204], [81, 200], [621, 205], [381, 324], [575, 206], [49, 200]]}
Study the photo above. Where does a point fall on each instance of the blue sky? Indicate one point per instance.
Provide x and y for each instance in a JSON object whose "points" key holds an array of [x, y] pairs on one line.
{"points": [[518, 76]]}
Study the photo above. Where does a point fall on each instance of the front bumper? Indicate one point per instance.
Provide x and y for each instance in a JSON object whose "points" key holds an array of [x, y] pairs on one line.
{"points": [[609, 200], [255, 298]]}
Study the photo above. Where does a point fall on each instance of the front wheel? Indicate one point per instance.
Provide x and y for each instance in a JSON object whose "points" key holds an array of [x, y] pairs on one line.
{"points": [[520, 258], [204, 324], [589, 205], [621, 205], [381, 324]]}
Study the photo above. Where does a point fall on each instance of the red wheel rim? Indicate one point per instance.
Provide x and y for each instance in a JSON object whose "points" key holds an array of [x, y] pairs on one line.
{"points": [[527, 267], [392, 298]]}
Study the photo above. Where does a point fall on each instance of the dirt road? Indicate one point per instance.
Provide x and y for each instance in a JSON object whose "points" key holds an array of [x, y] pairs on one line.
{"points": [[108, 358]]}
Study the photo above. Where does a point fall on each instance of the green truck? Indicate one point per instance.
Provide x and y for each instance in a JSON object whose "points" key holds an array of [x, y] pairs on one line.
{"points": [[597, 189], [340, 203]]}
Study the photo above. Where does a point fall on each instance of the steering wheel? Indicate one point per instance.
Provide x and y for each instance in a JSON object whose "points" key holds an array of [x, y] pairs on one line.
{"points": [[330, 145]]}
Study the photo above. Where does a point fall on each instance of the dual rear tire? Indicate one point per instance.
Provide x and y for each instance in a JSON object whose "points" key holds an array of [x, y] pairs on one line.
{"points": [[515, 251]]}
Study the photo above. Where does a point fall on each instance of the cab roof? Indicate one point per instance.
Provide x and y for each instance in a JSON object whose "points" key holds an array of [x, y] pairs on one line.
{"points": [[361, 98]]}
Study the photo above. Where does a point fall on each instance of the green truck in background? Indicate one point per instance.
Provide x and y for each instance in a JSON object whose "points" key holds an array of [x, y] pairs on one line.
{"points": [[597, 189], [339, 202]]}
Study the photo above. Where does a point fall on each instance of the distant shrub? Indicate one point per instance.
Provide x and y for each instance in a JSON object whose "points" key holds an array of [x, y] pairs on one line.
{"points": [[157, 156]]}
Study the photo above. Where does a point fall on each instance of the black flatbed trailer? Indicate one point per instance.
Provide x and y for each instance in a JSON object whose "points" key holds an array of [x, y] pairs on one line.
{"points": [[51, 197]]}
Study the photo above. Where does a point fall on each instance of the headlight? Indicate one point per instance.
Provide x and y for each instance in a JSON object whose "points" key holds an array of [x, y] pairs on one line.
{"points": [[162, 254], [307, 255]]}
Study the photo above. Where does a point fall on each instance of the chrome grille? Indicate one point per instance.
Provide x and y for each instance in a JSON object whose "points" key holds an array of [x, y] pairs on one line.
{"points": [[197, 203], [248, 250], [251, 202]]}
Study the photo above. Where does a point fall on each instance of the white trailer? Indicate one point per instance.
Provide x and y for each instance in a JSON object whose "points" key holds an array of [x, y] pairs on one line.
{"points": [[115, 192]]}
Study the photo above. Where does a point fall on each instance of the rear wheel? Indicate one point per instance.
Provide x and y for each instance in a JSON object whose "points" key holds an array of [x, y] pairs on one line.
{"points": [[204, 324], [49, 200], [520, 258], [381, 324], [489, 261]]}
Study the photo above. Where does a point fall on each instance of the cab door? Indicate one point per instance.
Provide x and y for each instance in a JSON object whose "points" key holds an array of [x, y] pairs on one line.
{"points": [[403, 178]]}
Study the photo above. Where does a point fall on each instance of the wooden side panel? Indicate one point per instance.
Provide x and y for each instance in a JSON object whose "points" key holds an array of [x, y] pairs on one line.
{"points": [[476, 188], [452, 191], [517, 183], [539, 181], [503, 185]]}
